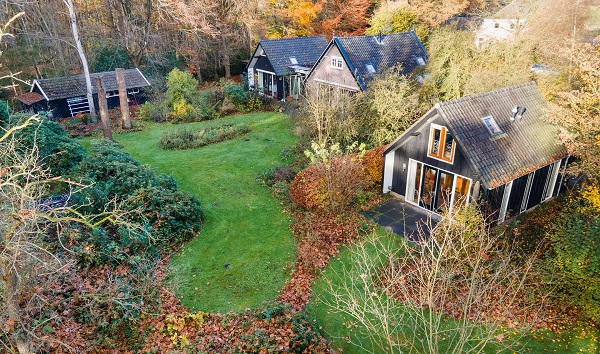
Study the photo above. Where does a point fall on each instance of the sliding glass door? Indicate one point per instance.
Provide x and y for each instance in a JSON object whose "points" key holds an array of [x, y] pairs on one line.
{"points": [[435, 189]]}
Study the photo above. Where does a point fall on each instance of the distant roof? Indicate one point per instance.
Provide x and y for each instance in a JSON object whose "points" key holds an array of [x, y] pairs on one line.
{"points": [[30, 98], [523, 146], [74, 86], [382, 52], [286, 52]]}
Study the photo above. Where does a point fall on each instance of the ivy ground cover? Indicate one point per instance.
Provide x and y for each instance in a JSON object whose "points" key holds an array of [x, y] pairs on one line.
{"points": [[244, 253]]}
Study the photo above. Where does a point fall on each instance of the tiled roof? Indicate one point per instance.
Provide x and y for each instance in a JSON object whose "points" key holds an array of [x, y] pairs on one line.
{"points": [[306, 51], [525, 145], [74, 86], [30, 98], [381, 52]]}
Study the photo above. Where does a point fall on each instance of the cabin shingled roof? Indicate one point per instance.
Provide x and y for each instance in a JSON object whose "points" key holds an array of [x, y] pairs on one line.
{"points": [[306, 50], [382, 52], [74, 86], [30, 98], [525, 145]]}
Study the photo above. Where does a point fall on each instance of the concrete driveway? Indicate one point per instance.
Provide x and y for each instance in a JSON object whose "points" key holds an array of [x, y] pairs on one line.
{"points": [[403, 218]]}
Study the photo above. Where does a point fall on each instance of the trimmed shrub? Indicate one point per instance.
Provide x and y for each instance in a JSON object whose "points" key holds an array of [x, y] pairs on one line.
{"points": [[189, 139], [172, 216], [153, 112], [277, 174], [308, 189], [175, 217], [333, 182], [372, 162], [57, 151], [181, 85]]}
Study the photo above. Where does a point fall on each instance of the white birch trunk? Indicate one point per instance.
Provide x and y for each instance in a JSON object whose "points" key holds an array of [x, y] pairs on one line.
{"points": [[86, 70]]}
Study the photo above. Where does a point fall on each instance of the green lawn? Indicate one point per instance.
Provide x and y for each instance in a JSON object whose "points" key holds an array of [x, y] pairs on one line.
{"points": [[342, 329], [244, 253]]}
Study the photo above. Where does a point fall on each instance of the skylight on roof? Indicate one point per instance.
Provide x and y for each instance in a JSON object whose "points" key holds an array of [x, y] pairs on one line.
{"points": [[293, 60], [491, 125], [370, 68], [420, 61]]}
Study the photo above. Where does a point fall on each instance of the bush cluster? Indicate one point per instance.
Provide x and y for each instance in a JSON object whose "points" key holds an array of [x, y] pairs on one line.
{"points": [[575, 250], [190, 139], [56, 149], [151, 199], [184, 103], [335, 179]]}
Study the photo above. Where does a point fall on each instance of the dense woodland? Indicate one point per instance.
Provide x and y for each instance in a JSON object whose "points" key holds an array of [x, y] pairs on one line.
{"points": [[87, 233]]}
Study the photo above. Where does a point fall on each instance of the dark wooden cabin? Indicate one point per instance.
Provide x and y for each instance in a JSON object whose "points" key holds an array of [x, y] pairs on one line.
{"points": [[65, 96], [492, 147], [278, 67]]}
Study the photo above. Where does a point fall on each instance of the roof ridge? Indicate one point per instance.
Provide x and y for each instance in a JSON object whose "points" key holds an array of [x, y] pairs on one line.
{"points": [[83, 74], [376, 35], [288, 38], [486, 93]]}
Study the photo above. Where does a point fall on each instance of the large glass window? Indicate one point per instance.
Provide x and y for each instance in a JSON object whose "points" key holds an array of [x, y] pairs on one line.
{"points": [[441, 144], [435, 189]]}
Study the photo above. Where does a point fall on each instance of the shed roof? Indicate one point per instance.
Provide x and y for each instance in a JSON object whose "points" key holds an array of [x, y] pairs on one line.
{"points": [[74, 86], [30, 98], [305, 50], [381, 52], [525, 144]]}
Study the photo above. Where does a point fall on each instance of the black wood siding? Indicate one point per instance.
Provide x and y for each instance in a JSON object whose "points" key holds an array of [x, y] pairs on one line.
{"points": [[60, 108], [264, 64], [416, 148], [516, 196], [537, 187]]}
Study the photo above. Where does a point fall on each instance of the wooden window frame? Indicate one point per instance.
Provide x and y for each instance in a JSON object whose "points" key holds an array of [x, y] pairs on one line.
{"points": [[440, 155]]}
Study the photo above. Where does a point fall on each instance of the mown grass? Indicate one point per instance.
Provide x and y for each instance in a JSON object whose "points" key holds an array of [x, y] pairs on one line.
{"points": [[244, 253], [343, 330]]}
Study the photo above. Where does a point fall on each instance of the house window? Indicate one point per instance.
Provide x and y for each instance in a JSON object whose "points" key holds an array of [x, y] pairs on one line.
{"points": [[337, 62], [491, 125], [441, 144]]}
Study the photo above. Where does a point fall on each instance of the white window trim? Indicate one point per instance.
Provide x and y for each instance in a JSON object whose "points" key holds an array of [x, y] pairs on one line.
{"points": [[527, 192], [505, 200], [337, 60]]}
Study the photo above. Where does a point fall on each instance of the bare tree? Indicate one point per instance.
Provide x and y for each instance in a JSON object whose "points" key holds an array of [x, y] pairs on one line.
{"points": [[449, 292], [84, 63]]}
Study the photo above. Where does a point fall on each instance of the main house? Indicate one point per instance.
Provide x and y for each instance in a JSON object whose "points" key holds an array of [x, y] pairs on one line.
{"points": [[350, 63], [492, 147], [278, 67], [65, 96]]}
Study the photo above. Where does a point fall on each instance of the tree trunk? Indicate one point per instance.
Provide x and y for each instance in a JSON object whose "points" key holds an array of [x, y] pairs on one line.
{"points": [[103, 105], [86, 70], [10, 282], [126, 119]]}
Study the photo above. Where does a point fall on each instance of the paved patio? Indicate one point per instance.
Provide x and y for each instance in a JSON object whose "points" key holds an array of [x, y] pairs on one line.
{"points": [[403, 218]]}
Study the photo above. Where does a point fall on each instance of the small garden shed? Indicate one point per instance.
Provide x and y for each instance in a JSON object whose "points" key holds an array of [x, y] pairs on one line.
{"points": [[65, 96], [278, 67], [492, 147]]}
